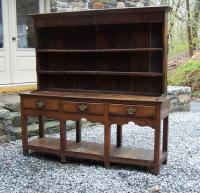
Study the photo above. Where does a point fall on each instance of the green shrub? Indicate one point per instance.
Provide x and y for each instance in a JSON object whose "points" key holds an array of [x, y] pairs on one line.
{"points": [[187, 75]]}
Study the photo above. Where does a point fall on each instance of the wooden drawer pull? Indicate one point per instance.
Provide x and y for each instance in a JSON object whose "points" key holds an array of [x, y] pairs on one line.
{"points": [[131, 110], [82, 107], [40, 104]]}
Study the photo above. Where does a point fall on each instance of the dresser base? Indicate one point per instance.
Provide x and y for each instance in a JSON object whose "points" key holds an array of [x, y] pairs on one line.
{"points": [[103, 110]]}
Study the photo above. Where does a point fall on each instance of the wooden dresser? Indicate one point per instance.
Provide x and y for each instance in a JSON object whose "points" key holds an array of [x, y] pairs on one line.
{"points": [[109, 66]]}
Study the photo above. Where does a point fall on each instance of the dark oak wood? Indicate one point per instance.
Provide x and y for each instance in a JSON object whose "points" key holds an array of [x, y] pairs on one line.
{"points": [[108, 66], [88, 150], [107, 136], [81, 107], [124, 57], [63, 142], [132, 110], [100, 50], [35, 103], [165, 137], [148, 74], [78, 131], [156, 168], [41, 126], [119, 135]]}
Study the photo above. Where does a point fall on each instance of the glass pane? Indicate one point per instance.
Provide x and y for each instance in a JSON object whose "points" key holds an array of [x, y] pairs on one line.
{"points": [[1, 27], [24, 22]]}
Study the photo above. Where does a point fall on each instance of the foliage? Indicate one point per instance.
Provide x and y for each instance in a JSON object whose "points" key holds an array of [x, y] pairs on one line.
{"points": [[177, 47], [187, 75], [184, 26], [196, 94]]}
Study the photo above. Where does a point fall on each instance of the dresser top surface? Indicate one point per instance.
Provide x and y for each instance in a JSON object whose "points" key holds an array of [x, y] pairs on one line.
{"points": [[96, 96]]}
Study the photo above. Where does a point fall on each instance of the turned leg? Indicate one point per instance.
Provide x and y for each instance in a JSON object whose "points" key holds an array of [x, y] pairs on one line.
{"points": [[165, 136], [41, 126], [63, 141], [24, 134], [78, 131], [156, 168], [119, 135]]}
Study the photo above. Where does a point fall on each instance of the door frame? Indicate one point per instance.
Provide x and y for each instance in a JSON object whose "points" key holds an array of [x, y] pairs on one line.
{"points": [[9, 21], [5, 51], [14, 51]]}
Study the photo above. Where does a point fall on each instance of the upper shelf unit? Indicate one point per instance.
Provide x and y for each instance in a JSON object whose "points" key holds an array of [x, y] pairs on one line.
{"points": [[113, 50]]}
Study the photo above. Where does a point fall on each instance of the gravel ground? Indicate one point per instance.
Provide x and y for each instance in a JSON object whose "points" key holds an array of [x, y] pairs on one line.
{"points": [[40, 174]]}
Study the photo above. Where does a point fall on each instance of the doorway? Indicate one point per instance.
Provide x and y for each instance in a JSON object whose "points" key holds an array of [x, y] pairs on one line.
{"points": [[17, 53]]}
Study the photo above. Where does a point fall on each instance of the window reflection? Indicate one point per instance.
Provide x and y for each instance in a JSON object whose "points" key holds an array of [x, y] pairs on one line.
{"points": [[24, 22]]}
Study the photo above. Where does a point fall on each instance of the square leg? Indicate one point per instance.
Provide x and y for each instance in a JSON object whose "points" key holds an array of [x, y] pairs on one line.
{"points": [[63, 141], [119, 136], [41, 126], [165, 136], [78, 131], [107, 146], [156, 168], [24, 134]]}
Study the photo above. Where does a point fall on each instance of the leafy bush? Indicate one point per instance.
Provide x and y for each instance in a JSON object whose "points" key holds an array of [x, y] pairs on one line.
{"points": [[187, 75]]}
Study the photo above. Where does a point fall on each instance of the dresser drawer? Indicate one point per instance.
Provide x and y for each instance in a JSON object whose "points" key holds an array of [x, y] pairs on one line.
{"points": [[81, 107], [132, 110], [39, 103]]}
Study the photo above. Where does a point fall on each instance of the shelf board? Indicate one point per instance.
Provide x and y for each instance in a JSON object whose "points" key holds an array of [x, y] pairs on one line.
{"points": [[46, 142], [133, 93], [148, 74], [85, 150], [103, 96], [46, 145], [98, 50], [89, 150]]}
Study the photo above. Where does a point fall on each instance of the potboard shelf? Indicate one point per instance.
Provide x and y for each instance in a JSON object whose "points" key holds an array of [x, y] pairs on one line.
{"points": [[89, 150]]}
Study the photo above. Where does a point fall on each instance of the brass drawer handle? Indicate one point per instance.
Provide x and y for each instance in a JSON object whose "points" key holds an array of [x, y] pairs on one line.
{"points": [[40, 104], [131, 110], [82, 107]]}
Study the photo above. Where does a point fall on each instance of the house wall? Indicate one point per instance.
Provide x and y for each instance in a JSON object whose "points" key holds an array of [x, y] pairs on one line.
{"points": [[71, 5]]}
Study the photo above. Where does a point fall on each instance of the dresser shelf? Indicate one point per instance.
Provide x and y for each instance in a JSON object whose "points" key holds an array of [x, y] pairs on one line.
{"points": [[89, 150], [99, 50], [113, 73]]}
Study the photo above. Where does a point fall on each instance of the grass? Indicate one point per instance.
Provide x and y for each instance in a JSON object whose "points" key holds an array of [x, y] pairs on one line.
{"points": [[187, 75], [196, 94]]}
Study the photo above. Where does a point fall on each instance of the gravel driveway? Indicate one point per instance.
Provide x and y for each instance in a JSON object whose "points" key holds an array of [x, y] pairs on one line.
{"points": [[40, 174]]}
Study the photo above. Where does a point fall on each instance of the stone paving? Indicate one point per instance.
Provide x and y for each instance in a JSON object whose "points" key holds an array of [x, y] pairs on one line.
{"points": [[39, 173]]}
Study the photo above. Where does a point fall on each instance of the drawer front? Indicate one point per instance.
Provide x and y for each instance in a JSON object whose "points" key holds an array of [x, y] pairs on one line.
{"points": [[132, 110], [81, 107], [39, 103]]}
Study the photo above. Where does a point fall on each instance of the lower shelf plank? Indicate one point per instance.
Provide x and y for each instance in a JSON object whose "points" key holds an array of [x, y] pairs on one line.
{"points": [[131, 156], [85, 150], [88, 150], [46, 145]]}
